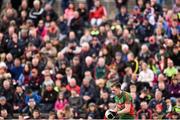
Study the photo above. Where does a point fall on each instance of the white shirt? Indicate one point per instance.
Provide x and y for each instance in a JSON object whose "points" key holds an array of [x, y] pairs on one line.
{"points": [[146, 76]]}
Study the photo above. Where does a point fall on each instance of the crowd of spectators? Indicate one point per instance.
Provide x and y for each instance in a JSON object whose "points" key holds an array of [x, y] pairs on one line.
{"points": [[62, 66]]}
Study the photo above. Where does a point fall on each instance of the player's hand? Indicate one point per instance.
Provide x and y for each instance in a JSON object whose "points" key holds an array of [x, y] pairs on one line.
{"points": [[115, 110]]}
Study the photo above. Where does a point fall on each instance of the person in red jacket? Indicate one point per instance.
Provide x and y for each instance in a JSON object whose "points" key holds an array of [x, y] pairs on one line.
{"points": [[73, 86], [97, 14]]}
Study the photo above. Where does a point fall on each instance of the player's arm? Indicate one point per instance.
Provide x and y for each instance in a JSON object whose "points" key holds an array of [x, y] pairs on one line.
{"points": [[127, 106], [125, 110]]}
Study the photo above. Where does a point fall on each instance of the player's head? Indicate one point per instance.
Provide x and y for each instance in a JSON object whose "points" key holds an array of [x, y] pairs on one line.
{"points": [[116, 88]]}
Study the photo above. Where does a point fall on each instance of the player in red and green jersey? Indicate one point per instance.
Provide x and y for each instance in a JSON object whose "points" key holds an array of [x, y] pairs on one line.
{"points": [[124, 102]]}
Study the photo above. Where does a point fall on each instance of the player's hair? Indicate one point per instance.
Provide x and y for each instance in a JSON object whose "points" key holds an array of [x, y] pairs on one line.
{"points": [[116, 84]]}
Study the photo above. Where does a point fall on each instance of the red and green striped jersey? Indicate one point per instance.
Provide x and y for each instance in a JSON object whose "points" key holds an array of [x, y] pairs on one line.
{"points": [[125, 98]]}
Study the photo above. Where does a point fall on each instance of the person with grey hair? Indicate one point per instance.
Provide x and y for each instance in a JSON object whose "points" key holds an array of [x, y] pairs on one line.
{"points": [[36, 12]]}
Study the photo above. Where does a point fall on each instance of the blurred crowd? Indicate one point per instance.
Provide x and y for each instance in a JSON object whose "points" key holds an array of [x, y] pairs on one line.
{"points": [[62, 66]]}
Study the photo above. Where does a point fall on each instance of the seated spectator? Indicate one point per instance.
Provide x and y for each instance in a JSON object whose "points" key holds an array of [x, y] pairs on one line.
{"points": [[69, 13], [158, 103], [49, 97], [41, 29], [171, 70], [93, 111], [82, 10], [173, 88], [30, 108], [97, 14], [49, 12], [49, 49], [4, 114], [53, 32], [19, 100], [68, 112], [127, 78], [146, 76], [36, 114], [76, 103], [87, 91], [122, 16], [73, 86], [16, 72], [61, 102], [76, 24], [100, 69], [32, 95], [7, 91], [144, 112], [103, 102], [34, 81], [36, 12], [14, 46], [6, 106]]}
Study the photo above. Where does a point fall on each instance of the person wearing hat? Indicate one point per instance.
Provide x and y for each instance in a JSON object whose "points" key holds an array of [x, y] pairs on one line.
{"points": [[124, 102]]}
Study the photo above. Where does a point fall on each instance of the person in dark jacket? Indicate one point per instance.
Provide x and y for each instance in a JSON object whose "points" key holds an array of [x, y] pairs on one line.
{"points": [[32, 105], [2, 43], [158, 101], [5, 105], [144, 112], [76, 102], [19, 100], [14, 46], [48, 98], [76, 24], [35, 80], [17, 70], [7, 91], [122, 16], [83, 12], [36, 12], [93, 112], [87, 91], [49, 11], [174, 87]]}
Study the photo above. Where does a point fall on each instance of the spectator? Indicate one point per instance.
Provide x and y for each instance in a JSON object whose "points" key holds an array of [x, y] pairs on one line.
{"points": [[69, 13], [93, 112], [100, 70], [73, 86], [49, 96], [7, 91], [30, 108], [146, 75], [87, 91], [36, 114], [76, 103], [19, 100], [158, 103], [97, 14], [144, 112], [61, 102], [36, 12], [5, 106], [122, 17], [173, 87], [170, 71]]}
